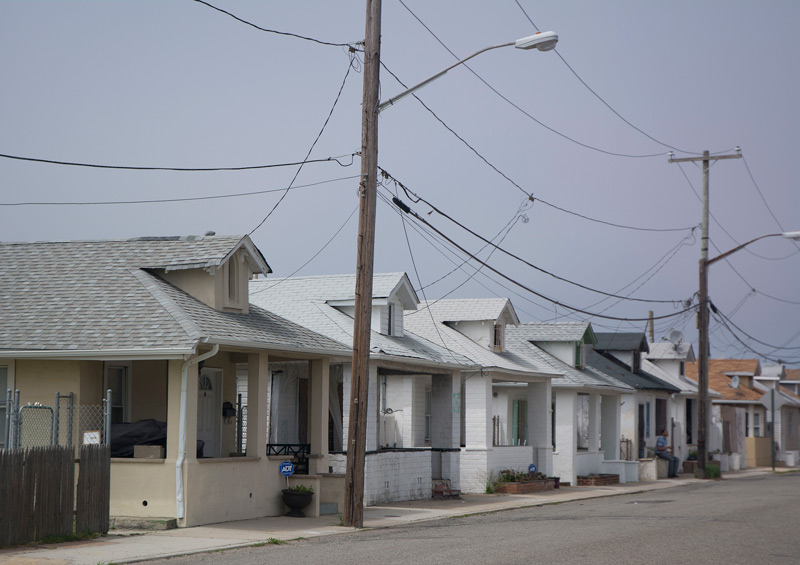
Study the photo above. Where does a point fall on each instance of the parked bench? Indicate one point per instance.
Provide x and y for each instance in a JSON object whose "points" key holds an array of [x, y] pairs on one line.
{"points": [[652, 469]]}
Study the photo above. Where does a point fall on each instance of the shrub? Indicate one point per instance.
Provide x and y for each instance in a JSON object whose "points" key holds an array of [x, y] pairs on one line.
{"points": [[301, 488]]}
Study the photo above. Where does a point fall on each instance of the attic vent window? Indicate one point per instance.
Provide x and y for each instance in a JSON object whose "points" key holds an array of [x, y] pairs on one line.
{"points": [[390, 321], [497, 338]]}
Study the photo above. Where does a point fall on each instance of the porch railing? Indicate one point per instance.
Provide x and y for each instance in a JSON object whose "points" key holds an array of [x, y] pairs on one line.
{"points": [[299, 453]]}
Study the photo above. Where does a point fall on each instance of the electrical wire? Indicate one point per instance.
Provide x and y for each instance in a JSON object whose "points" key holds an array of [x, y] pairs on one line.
{"points": [[413, 214], [164, 200], [514, 183], [418, 198], [764, 200], [178, 169], [251, 24], [521, 110], [350, 66], [600, 98], [321, 249], [758, 341], [746, 346]]}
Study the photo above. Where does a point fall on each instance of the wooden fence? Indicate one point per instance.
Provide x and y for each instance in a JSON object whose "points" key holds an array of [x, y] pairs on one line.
{"points": [[37, 493]]}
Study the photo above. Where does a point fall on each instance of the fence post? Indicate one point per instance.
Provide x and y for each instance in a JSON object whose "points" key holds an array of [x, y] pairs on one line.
{"points": [[107, 418], [17, 419], [9, 412], [57, 420], [239, 424], [70, 414]]}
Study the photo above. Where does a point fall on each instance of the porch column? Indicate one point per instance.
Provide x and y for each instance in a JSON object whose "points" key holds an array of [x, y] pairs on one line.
{"points": [[319, 391], [347, 375], [174, 410], [257, 404], [540, 425], [594, 422], [478, 393], [445, 420], [373, 408], [566, 434], [609, 426]]}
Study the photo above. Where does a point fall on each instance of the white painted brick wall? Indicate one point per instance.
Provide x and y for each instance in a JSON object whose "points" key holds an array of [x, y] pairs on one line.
{"points": [[474, 471], [392, 476]]}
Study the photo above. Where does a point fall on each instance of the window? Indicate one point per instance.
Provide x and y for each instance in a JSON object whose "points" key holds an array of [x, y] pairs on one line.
{"points": [[682, 368], [498, 338], [232, 281], [117, 379], [583, 421], [427, 414], [579, 355], [553, 424], [390, 319], [689, 421], [747, 424], [756, 424], [647, 420], [519, 429]]}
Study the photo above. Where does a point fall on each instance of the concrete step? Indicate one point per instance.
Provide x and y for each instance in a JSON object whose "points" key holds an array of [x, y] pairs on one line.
{"points": [[136, 523]]}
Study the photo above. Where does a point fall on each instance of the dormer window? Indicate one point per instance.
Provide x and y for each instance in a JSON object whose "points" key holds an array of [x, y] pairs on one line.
{"points": [[497, 338], [231, 276], [390, 321]]}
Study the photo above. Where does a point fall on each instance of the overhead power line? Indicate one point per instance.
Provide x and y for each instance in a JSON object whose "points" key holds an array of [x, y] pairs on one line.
{"points": [[178, 169], [418, 198], [165, 200], [251, 24], [517, 185], [404, 207]]}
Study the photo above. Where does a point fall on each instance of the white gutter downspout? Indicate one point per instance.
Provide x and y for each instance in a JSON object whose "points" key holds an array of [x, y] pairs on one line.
{"points": [[182, 426]]}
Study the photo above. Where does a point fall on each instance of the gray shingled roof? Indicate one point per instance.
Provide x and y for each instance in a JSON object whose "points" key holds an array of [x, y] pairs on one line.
{"points": [[304, 301], [96, 296], [557, 331], [518, 340], [621, 341], [666, 350], [617, 370], [422, 323]]}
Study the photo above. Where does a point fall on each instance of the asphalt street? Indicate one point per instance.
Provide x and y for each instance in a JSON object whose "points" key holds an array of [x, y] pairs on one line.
{"points": [[751, 520]]}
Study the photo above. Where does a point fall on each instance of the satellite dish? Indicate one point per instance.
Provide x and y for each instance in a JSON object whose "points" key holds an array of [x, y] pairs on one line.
{"points": [[734, 381], [675, 338]]}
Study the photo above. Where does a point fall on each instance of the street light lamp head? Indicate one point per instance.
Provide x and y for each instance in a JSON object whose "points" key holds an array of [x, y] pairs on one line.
{"points": [[795, 235], [543, 41]]}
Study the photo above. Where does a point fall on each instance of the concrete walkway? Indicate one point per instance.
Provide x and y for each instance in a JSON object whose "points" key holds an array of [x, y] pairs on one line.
{"points": [[128, 546]]}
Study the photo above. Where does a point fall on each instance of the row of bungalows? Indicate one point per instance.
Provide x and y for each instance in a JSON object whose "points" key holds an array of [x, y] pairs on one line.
{"points": [[228, 373]]}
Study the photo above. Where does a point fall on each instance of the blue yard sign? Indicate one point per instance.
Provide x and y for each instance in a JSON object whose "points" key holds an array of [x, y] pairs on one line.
{"points": [[532, 469], [287, 469]]}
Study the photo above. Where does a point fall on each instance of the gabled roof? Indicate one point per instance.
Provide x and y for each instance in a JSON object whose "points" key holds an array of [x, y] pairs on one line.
{"points": [[103, 297], [619, 371], [792, 375], [621, 341], [518, 341], [384, 286], [720, 378], [665, 350], [306, 301], [686, 386], [429, 321], [773, 371], [560, 331], [469, 310]]}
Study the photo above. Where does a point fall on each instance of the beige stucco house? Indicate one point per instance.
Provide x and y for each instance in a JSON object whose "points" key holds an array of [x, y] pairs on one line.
{"points": [[166, 325]]}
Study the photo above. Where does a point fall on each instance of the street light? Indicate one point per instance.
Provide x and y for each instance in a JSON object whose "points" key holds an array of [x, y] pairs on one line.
{"points": [[371, 107], [543, 41], [702, 344]]}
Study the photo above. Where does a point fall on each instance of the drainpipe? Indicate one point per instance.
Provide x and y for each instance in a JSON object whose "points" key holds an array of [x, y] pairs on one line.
{"points": [[182, 426]]}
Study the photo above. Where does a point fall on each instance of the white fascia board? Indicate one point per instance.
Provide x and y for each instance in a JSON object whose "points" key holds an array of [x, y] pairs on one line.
{"points": [[723, 401], [535, 376], [423, 362], [99, 355], [279, 348]]}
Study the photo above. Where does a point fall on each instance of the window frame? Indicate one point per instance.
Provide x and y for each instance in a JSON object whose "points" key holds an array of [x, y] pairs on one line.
{"points": [[125, 389]]}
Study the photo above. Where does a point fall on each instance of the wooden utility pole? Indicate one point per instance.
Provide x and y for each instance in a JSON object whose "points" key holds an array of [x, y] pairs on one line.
{"points": [[650, 325], [357, 426], [703, 408]]}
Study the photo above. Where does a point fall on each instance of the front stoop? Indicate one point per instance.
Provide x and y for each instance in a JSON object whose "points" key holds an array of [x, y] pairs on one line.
{"points": [[441, 490], [136, 523]]}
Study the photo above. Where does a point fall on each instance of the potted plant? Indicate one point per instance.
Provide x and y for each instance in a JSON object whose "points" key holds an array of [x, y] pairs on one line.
{"points": [[297, 497]]}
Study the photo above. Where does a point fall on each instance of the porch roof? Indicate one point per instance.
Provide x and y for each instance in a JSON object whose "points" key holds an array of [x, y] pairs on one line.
{"points": [[96, 297], [304, 301], [721, 382]]}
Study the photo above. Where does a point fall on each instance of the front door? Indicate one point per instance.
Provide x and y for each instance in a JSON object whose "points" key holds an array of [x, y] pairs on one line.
{"points": [[209, 411]]}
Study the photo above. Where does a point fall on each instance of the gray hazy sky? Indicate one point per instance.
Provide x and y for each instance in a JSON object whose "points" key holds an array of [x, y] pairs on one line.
{"points": [[178, 84]]}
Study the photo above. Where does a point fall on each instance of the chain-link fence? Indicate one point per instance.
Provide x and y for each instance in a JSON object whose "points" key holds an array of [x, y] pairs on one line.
{"points": [[63, 424]]}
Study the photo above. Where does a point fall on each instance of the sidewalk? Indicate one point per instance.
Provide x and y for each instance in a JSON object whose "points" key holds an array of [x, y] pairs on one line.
{"points": [[128, 546]]}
